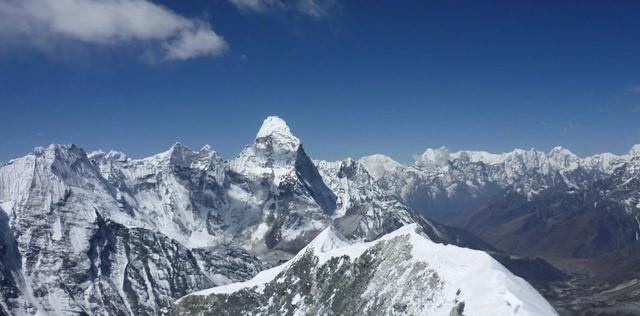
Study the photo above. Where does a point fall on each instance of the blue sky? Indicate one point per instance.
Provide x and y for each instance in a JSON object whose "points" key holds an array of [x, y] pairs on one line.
{"points": [[350, 77]]}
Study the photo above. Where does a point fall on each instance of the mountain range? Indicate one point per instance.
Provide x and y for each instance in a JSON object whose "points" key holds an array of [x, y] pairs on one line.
{"points": [[99, 233], [522, 194]]}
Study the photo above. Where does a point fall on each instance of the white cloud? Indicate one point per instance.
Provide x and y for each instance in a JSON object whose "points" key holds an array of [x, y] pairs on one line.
{"points": [[256, 5], [314, 8], [108, 22], [199, 42]]}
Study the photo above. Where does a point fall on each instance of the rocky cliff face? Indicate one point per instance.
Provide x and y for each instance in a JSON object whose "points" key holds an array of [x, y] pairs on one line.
{"points": [[80, 243]]}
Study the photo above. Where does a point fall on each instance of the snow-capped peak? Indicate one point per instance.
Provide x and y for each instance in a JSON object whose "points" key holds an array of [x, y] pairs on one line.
{"points": [[112, 155], [274, 126], [275, 147], [206, 148], [559, 150], [433, 157], [635, 150], [180, 155], [177, 154], [275, 133], [377, 165], [562, 158]]}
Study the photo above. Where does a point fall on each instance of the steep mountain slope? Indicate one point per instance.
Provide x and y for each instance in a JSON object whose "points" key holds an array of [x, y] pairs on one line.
{"points": [[379, 165], [401, 273], [567, 222], [74, 246], [295, 202]]}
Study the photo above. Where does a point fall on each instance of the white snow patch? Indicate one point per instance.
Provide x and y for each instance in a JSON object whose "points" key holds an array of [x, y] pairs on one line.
{"points": [[220, 279], [57, 229], [78, 239], [260, 231], [201, 238]]}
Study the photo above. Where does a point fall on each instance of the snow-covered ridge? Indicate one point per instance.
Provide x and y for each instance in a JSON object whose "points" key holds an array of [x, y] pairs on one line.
{"points": [[558, 157], [439, 176], [324, 242], [483, 285]]}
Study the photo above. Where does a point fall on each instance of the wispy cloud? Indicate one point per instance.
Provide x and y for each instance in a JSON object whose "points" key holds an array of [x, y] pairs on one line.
{"points": [[635, 89], [256, 5], [108, 23], [313, 8]]}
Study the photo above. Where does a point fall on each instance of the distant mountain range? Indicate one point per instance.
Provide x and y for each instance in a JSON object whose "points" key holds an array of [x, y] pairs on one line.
{"points": [[100, 233], [530, 197]]}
